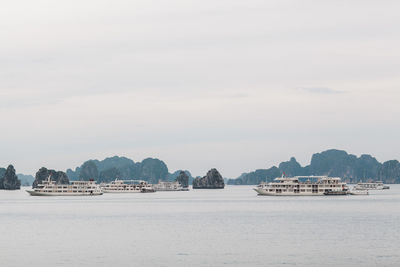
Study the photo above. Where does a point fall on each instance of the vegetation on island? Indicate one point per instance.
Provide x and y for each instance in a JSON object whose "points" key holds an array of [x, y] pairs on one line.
{"points": [[8, 179]]}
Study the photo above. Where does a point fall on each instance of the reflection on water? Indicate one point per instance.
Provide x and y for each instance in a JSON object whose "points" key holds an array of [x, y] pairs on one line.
{"points": [[233, 226]]}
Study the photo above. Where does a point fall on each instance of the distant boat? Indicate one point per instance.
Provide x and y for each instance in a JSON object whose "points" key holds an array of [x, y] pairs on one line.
{"points": [[378, 185], [169, 186], [76, 188], [358, 192], [303, 186], [123, 186]]}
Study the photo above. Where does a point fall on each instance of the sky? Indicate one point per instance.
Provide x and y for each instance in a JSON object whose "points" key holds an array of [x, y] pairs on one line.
{"points": [[235, 85]]}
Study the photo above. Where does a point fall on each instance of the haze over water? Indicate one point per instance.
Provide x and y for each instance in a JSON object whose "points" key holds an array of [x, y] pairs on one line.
{"points": [[233, 226], [255, 82]]}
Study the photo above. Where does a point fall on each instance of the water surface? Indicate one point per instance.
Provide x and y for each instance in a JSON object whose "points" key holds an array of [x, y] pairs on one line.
{"points": [[233, 226]]}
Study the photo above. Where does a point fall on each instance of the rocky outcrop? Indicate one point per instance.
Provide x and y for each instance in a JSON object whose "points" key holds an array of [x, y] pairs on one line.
{"points": [[183, 179], [2, 172], [126, 168], [57, 176], [333, 162], [173, 176], [256, 177], [10, 181], [109, 175], [151, 170], [213, 180], [390, 172], [89, 171], [291, 167]]}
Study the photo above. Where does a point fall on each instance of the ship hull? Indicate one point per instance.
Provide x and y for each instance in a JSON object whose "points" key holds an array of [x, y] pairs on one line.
{"points": [[121, 191], [263, 192], [164, 190], [35, 193], [204, 187], [359, 192]]}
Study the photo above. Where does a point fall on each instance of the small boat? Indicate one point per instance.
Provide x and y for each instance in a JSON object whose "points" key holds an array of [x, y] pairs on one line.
{"points": [[378, 185], [169, 186], [359, 192]]}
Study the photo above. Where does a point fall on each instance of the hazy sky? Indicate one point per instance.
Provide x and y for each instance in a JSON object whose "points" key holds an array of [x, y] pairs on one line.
{"points": [[236, 85]]}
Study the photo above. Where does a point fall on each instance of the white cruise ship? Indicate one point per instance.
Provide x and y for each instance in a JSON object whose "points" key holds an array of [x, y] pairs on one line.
{"points": [[122, 186], [76, 188], [169, 186], [371, 186], [303, 186]]}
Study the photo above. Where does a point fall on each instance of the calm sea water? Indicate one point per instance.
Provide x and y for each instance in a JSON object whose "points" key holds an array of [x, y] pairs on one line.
{"points": [[233, 226]]}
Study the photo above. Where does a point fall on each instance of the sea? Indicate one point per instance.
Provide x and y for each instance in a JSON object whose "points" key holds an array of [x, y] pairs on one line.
{"points": [[228, 227]]}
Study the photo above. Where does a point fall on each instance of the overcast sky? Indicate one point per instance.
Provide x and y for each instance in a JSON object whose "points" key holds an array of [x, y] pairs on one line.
{"points": [[236, 85]]}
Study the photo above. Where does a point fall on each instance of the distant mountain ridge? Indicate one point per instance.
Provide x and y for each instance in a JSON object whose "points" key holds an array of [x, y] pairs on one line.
{"points": [[26, 180], [150, 169], [350, 168], [333, 162]]}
